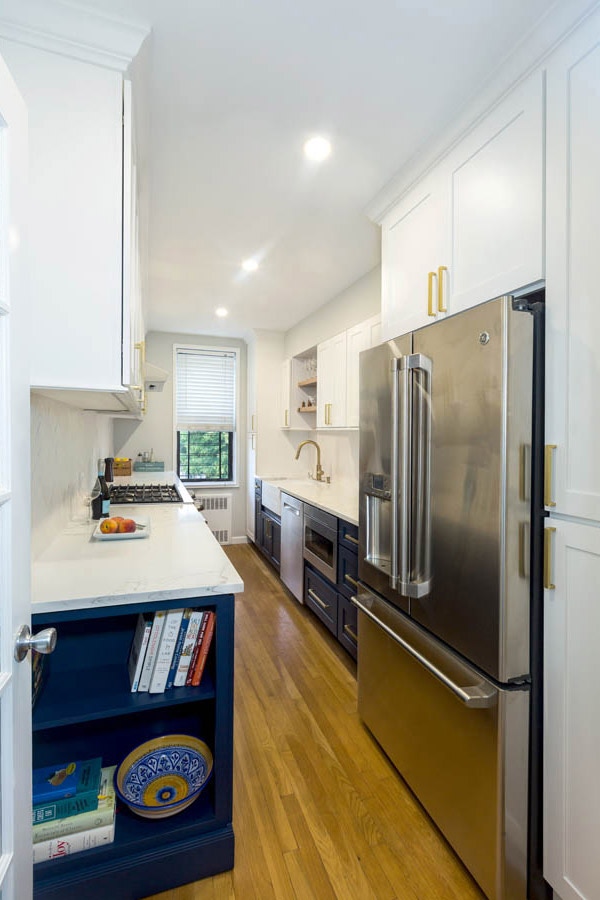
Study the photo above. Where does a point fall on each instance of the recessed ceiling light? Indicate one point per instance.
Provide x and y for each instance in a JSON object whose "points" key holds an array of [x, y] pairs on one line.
{"points": [[221, 312], [249, 265], [317, 149]]}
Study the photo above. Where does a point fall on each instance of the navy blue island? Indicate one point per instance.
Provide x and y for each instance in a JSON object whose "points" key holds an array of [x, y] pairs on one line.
{"points": [[92, 592]]}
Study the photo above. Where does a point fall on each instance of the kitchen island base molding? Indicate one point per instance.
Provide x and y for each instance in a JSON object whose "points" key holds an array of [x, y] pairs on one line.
{"points": [[130, 879]]}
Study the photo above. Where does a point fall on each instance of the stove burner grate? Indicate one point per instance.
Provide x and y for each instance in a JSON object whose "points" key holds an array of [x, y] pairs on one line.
{"points": [[144, 493]]}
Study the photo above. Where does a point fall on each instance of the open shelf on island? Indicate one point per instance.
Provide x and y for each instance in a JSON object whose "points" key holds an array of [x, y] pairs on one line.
{"points": [[307, 409]]}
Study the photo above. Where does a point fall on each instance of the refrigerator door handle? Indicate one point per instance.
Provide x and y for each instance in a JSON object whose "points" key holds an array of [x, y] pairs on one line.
{"points": [[394, 530], [479, 696], [416, 522], [401, 466]]}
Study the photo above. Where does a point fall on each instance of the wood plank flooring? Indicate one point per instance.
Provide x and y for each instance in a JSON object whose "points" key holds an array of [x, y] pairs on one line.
{"points": [[319, 811]]}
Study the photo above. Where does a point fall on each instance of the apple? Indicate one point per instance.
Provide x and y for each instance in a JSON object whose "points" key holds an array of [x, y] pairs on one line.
{"points": [[117, 518], [125, 526], [109, 526]]}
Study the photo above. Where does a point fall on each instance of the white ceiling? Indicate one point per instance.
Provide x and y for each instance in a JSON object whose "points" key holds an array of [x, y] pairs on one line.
{"points": [[235, 87]]}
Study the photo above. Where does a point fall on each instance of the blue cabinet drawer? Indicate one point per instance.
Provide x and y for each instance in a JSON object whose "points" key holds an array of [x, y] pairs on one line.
{"points": [[347, 625], [322, 598], [348, 536], [347, 572]]}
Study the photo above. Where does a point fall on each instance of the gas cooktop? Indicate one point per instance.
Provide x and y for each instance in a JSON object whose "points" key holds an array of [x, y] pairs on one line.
{"points": [[144, 493]]}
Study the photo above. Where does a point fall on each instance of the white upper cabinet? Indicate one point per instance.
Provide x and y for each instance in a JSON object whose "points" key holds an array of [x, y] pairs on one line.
{"points": [[496, 177], [80, 175], [414, 243], [360, 337], [472, 228], [573, 307], [331, 390]]}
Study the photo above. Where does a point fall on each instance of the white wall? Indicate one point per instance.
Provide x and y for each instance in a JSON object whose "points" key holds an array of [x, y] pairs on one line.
{"points": [[358, 302], [66, 444], [155, 432]]}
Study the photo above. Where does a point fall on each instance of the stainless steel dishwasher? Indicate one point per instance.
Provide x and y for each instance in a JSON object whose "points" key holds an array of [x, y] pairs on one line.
{"points": [[292, 534]]}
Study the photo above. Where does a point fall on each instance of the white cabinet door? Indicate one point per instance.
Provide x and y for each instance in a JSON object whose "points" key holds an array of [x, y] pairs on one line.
{"points": [[360, 337], [76, 141], [497, 179], [572, 713], [573, 307], [414, 244], [331, 388], [286, 393]]}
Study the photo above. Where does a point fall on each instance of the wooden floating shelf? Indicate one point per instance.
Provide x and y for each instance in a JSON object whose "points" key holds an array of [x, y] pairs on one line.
{"points": [[308, 382], [307, 409]]}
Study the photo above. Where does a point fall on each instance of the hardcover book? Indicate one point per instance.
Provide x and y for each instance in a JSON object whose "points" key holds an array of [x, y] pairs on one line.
{"points": [[185, 621], [196, 652], [84, 799], [73, 843], [65, 780], [188, 648], [139, 645], [166, 649], [152, 650], [204, 648], [85, 821]]}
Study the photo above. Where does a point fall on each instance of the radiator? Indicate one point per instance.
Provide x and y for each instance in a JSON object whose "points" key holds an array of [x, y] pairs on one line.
{"points": [[216, 509]]}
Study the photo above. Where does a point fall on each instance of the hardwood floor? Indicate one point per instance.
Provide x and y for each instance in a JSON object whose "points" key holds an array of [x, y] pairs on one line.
{"points": [[319, 812]]}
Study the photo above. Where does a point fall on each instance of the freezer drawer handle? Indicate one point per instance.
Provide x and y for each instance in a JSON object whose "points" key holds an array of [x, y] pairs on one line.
{"points": [[478, 696], [291, 509]]}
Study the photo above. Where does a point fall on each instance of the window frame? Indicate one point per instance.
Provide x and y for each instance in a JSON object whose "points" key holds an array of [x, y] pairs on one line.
{"points": [[214, 348]]}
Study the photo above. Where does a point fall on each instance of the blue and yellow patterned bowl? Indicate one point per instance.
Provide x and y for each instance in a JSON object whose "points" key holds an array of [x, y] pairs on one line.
{"points": [[164, 776]]}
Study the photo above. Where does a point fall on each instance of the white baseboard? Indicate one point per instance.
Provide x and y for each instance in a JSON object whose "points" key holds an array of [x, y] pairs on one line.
{"points": [[238, 540]]}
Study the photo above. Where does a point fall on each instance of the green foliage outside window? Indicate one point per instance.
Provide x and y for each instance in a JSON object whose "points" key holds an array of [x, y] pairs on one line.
{"points": [[205, 455]]}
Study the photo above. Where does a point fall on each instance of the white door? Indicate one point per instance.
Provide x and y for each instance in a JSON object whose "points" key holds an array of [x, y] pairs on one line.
{"points": [[15, 678]]}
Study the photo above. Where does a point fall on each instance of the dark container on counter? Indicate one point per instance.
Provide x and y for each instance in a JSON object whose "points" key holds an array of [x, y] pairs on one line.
{"points": [[108, 469]]}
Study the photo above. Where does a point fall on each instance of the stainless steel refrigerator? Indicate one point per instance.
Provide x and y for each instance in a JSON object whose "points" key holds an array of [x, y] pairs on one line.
{"points": [[447, 469]]}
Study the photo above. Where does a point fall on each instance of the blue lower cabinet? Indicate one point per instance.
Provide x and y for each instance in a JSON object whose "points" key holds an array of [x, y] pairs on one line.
{"points": [[86, 709], [347, 572], [322, 598], [347, 633]]}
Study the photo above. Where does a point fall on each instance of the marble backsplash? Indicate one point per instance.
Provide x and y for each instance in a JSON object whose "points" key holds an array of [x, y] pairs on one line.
{"points": [[66, 444]]}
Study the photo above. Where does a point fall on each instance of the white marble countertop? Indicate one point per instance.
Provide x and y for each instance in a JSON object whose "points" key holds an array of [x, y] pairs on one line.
{"points": [[338, 498], [180, 559]]}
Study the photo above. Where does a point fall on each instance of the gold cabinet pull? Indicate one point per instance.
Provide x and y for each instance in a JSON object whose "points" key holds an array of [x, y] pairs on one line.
{"points": [[253, 426], [440, 277], [351, 538], [285, 420], [430, 309], [351, 633], [548, 501], [317, 599], [351, 580], [548, 532]]}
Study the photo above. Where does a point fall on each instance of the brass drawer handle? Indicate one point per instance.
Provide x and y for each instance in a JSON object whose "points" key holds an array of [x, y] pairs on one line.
{"points": [[430, 277], [351, 634], [317, 599], [440, 276], [353, 540], [548, 501], [351, 580], [548, 532]]}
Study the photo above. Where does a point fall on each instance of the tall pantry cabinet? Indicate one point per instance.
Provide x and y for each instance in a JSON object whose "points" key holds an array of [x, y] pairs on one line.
{"points": [[572, 576]]}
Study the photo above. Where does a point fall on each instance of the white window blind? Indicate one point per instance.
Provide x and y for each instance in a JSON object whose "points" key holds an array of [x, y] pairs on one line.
{"points": [[205, 390]]}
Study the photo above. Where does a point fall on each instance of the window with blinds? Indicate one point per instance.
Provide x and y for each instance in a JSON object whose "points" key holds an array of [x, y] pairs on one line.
{"points": [[205, 412]]}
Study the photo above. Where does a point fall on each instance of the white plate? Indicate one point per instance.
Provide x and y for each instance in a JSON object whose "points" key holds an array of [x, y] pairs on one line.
{"points": [[125, 535]]}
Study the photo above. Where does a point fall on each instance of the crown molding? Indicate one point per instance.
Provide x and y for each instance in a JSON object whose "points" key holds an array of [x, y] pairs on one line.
{"points": [[66, 28], [528, 55]]}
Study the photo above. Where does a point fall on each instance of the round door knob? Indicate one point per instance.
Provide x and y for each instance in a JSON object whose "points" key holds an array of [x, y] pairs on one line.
{"points": [[42, 642]]}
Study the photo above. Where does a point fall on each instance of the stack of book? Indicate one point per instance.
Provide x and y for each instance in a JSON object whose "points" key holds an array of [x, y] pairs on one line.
{"points": [[169, 649], [73, 808]]}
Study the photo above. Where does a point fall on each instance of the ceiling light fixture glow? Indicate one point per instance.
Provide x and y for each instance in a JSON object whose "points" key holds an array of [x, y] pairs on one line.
{"points": [[317, 149], [221, 312], [249, 265]]}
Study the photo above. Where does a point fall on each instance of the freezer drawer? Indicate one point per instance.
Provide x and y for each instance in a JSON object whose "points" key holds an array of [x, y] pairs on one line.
{"points": [[459, 741]]}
